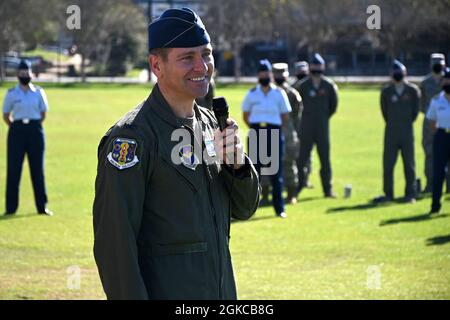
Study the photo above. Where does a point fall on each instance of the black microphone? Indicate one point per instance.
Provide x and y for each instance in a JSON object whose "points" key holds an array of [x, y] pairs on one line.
{"points": [[220, 108]]}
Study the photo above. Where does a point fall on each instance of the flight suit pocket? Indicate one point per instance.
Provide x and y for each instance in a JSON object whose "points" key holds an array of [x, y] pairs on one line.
{"points": [[180, 174], [178, 248]]}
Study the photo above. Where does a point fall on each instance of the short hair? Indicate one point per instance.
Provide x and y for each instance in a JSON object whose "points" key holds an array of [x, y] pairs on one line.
{"points": [[162, 52]]}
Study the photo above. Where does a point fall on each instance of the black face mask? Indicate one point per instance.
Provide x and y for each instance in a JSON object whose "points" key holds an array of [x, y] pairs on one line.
{"points": [[316, 72], [437, 68], [446, 88], [24, 80], [301, 76], [264, 81], [398, 77], [279, 81]]}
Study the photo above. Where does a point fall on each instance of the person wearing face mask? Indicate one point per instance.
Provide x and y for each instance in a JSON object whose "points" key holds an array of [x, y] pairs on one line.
{"points": [[266, 107], [290, 131], [400, 106], [24, 110], [439, 116], [301, 74], [320, 100], [430, 87]]}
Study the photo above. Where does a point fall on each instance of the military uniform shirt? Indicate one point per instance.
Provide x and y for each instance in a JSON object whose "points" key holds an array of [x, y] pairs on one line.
{"points": [[25, 105], [429, 89], [439, 111], [266, 107]]}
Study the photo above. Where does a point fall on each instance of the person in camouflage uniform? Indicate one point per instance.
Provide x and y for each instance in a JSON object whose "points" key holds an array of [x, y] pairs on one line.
{"points": [[430, 87], [290, 130], [301, 69]]}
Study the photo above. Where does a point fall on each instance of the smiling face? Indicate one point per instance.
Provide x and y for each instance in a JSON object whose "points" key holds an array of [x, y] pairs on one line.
{"points": [[184, 72]]}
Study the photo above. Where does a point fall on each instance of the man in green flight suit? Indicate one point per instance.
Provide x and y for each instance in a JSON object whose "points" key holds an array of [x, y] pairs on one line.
{"points": [[320, 101], [429, 88], [400, 101], [165, 183]]}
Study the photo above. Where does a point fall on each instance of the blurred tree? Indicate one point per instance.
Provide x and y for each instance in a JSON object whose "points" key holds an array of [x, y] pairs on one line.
{"points": [[25, 23], [105, 24]]}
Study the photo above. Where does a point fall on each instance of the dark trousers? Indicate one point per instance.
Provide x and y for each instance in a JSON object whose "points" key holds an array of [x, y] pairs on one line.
{"points": [[319, 137], [441, 156], [25, 139], [277, 178], [396, 140]]}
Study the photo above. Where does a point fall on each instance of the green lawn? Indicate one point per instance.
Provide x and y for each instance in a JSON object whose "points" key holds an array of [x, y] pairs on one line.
{"points": [[326, 249]]}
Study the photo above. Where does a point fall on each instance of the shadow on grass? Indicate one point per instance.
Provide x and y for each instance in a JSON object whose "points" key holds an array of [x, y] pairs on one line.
{"points": [[306, 199], [438, 240], [18, 216], [370, 205], [417, 218], [255, 219]]}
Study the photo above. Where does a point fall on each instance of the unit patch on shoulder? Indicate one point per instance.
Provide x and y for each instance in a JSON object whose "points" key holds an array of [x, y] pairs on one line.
{"points": [[123, 153]]}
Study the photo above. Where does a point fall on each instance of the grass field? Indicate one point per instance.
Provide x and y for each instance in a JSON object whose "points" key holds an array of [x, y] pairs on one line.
{"points": [[326, 249]]}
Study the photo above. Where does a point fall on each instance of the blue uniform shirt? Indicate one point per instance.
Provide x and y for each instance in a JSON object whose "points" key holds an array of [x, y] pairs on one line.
{"points": [[266, 107], [25, 104], [439, 111]]}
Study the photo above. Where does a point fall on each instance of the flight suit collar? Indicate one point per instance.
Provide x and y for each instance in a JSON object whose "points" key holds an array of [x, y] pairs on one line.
{"points": [[165, 112]]}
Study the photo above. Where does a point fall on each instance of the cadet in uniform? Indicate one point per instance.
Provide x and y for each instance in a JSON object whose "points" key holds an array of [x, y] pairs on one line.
{"points": [[320, 100], [161, 208], [292, 142], [266, 108], [439, 117], [400, 106], [301, 74], [24, 110], [430, 87]]}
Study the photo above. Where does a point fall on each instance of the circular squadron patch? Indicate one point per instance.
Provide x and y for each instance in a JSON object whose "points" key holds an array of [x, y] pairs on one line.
{"points": [[123, 153]]}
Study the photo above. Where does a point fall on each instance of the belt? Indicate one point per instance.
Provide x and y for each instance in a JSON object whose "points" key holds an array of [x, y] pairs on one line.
{"points": [[265, 124], [26, 121]]}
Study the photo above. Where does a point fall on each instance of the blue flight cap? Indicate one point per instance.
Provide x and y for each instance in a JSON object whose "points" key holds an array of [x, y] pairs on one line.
{"points": [[177, 28], [264, 65], [317, 59], [24, 65], [398, 66]]}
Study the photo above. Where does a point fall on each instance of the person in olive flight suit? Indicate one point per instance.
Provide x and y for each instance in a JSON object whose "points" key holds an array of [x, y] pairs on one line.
{"points": [[429, 88], [163, 193], [399, 106], [320, 101]]}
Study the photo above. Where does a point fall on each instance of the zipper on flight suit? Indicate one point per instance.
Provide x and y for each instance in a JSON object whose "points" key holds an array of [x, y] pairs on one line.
{"points": [[213, 210]]}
